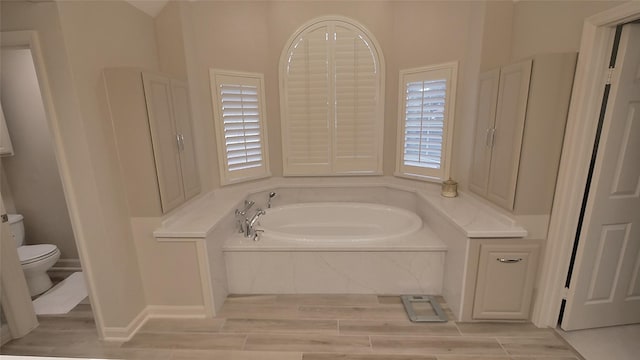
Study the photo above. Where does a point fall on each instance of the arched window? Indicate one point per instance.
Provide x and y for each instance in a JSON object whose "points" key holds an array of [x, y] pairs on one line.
{"points": [[332, 100]]}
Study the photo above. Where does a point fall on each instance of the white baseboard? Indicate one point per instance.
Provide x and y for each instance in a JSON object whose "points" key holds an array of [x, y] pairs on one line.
{"points": [[186, 312], [152, 312], [64, 268], [125, 333], [68, 265]]}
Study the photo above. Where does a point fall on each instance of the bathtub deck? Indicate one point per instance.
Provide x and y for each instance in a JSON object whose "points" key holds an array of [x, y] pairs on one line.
{"points": [[423, 240], [299, 327]]}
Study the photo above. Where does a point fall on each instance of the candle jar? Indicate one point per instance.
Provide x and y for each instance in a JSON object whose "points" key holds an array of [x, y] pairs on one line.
{"points": [[449, 188]]}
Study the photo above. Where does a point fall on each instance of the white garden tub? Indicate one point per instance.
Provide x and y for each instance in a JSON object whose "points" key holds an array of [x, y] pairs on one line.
{"points": [[338, 222], [337, 248]]}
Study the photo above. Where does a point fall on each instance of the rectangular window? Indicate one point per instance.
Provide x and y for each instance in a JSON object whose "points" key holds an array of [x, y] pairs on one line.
{"points": [[239, 111], [427, 99]]}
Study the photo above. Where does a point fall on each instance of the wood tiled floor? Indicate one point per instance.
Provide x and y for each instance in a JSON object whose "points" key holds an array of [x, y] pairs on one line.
{"points": [[298, 327]]}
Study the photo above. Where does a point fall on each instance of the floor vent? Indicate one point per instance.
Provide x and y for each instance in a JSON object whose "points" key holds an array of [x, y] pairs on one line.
{"points": [[423, 308]]}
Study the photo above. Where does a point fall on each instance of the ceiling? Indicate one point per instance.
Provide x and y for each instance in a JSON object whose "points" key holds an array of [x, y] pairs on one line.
{"points": [[151, 7]]}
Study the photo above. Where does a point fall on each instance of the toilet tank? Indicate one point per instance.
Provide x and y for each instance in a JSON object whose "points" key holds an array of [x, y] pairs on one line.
{"points": [[17, 228]]}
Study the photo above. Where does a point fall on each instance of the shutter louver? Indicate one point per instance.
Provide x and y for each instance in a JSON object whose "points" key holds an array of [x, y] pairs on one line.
{"points": [[427, 97], [239, 125], [308, 108], [424, 123], [332, 112], [241, 122], [356, 88]]}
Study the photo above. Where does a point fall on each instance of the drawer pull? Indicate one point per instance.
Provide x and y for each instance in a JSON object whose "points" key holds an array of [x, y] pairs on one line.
{"points": [[509, 261]]}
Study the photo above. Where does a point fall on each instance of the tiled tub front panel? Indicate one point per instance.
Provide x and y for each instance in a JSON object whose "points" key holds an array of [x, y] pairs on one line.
{"points": [[335, 272]]}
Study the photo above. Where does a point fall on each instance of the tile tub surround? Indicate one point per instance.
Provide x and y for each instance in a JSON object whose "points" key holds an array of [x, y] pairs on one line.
{"points": [[329, 272], [265, 327]]}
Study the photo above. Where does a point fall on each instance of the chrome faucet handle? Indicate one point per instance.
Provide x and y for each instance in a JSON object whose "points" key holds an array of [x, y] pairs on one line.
{"points": [[247, 205], [256, 234]]}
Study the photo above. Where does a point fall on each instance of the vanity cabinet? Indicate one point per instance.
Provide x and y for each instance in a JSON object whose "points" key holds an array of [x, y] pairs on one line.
{"points": [[520, 120], [151, 119], [6, 148], [505, 281], [500, 279]]}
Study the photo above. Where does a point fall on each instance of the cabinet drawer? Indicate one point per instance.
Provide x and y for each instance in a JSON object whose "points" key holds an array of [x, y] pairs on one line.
{"points": [[504, 287]]}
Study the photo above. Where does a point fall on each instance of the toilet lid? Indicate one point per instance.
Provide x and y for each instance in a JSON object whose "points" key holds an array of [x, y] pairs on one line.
{"points": [[31, 253]]}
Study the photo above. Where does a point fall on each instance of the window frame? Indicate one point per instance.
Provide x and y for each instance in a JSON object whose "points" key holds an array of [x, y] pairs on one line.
{"points": [[423, 73], [227, 176], [310, 170]]}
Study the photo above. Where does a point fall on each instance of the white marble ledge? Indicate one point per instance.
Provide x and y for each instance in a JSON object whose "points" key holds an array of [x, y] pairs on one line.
{"points": [[473, 216], [424, 240]]}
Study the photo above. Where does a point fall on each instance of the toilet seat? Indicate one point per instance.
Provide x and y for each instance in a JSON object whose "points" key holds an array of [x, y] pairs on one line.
{"points": [[32, 253]]}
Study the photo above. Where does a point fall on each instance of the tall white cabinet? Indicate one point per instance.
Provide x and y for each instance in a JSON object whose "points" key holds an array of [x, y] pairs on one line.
{"points": [[151, 119], [521, 116]]}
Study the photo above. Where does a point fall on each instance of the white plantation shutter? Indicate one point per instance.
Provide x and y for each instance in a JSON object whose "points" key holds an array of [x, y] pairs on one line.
{"points": [[332, 81], [307, 131], [357, 123], [426, 119], [239, 111]]}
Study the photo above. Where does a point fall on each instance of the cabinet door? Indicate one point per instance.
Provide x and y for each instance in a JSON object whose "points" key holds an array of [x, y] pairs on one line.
{"points": [[504, 287], [182, 114], [486, 113], [509, 125], [157, 92]]}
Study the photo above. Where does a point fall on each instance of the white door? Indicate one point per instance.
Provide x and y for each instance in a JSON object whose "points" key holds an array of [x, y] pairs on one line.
{"points": [[511, 109], [182, 113], [605, 284], [485, 116], [166, 148]]}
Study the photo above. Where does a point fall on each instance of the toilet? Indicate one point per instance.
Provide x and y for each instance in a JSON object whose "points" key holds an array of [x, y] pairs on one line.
{"points": [[36, 260]]}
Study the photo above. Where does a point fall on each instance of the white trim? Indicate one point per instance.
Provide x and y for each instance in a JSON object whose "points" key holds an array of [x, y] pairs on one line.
{"points": [[67, 265], [153, 312], [176, 312], [30, 39], [228, 177], [448, 126], [595, 48], [125, 333], [205, 278]]}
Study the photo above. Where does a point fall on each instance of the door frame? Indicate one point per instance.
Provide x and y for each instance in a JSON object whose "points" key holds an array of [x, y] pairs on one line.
{"points": [[584, 110], [30, 39]]}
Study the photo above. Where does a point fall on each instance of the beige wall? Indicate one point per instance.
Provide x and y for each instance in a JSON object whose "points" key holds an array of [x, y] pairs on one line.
{"points": [[32, 173], [551, 26], [170, 41], [497, 34], [98, 35], [250, 36], [109, 33]]}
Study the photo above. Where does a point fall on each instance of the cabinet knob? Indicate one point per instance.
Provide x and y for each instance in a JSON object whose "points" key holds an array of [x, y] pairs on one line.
{"points": [[509, 261]]}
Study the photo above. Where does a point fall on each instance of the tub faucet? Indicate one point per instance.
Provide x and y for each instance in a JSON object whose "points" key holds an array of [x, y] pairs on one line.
{"points": [[241, 215], [250, 223], [271, 196], [247, 205]]}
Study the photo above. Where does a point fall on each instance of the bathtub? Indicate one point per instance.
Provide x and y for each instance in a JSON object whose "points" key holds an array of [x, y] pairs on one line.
{"points": [[333, 247], [338, 222]]}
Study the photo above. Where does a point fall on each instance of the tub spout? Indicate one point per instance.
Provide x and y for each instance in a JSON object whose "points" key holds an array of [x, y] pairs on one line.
{"points": [[250, 223]]}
